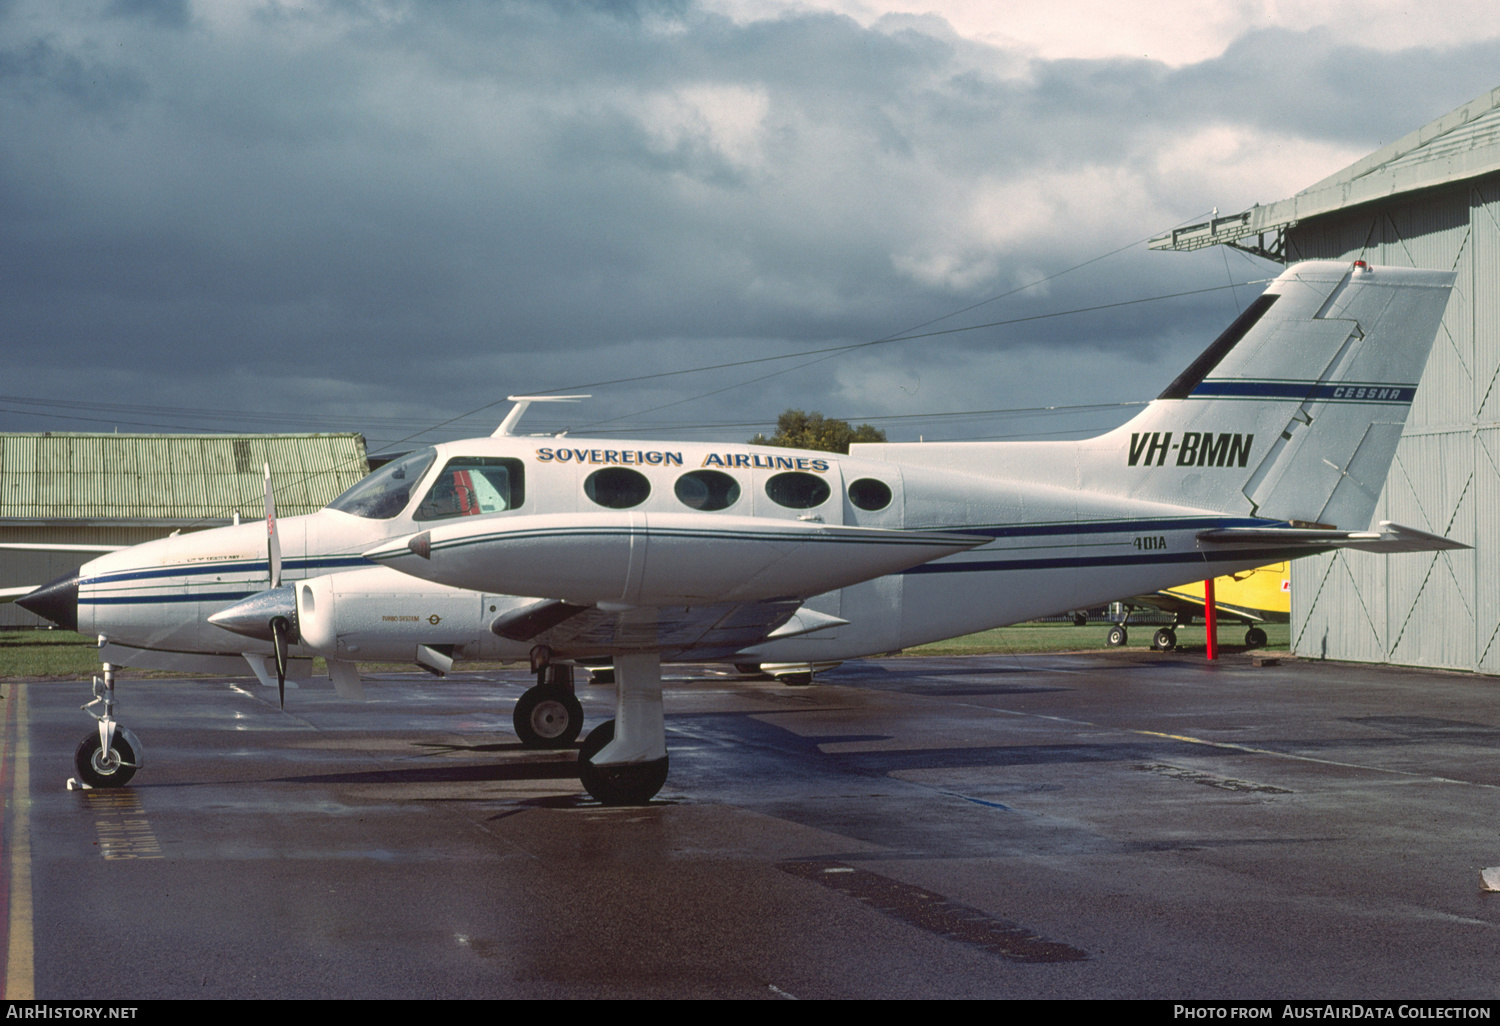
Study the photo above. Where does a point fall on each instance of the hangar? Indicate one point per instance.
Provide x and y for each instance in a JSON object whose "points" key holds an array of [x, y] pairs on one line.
{"points": [[1430, 199], [112, 489]]}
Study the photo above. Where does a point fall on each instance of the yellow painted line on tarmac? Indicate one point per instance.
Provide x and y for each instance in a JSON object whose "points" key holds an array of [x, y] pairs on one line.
{"points": [[20, 982]]}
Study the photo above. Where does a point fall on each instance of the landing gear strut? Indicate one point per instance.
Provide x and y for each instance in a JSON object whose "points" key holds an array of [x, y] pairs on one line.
{"points": [[624, 761], [549, 715], [109, 756]]}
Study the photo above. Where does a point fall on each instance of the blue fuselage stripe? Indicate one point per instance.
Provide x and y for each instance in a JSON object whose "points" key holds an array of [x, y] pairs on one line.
{"points": [[339, 562]]}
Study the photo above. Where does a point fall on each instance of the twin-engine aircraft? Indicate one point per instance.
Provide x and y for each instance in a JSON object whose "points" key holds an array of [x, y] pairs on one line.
{"points": [[1273, 444]]}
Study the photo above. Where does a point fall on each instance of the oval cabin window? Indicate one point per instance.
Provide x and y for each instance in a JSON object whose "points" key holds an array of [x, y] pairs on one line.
{"points": [[868, 493], [707, 490], [617, 487], [796, 490]]}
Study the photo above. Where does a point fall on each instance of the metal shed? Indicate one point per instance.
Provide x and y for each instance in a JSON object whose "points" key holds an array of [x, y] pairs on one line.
{"points": [[115, 489], [1430, 199]]}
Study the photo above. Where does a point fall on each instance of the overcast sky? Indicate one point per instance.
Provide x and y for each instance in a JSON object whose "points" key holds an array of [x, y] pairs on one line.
{"points": [[346, 216]]}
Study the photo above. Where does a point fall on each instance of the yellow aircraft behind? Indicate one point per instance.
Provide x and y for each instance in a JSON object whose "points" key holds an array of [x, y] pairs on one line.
{"points": [[1253, 597]]}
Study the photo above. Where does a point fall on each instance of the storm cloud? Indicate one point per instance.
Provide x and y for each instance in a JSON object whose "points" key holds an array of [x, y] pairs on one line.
{"points": [[380, 216]]}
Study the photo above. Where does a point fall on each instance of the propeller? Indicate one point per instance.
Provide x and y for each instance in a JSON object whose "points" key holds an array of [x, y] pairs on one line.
{"points": [[280, 626], [279, 630], [273, 540]]}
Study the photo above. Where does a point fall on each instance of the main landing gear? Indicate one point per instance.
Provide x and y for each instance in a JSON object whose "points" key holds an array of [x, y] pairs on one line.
{"points": [[624, 760], [549, 715], [109, 756]]}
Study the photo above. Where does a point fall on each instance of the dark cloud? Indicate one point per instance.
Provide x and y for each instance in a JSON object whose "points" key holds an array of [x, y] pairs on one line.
{"points": [[392, 214], [164, 13]]}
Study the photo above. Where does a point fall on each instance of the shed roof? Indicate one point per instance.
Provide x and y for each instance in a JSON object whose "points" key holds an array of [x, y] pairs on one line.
{"points": [[170, 479], [1464, 143]]}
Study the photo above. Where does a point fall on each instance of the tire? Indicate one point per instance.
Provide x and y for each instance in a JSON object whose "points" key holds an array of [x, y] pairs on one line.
{"points": [[635, 784], [1164, 640], [749, 669], [548, 717], [1255, 637], [95, 770], [1080, 619], [1117, 636], [601, 675], [796, 680]]}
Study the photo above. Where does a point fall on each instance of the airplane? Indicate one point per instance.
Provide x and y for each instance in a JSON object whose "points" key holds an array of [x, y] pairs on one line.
{"points": [[1252, 597], [1273, 444]]}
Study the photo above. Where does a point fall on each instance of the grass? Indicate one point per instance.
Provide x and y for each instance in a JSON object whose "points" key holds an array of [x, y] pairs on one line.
{"points": [[35, 654]]}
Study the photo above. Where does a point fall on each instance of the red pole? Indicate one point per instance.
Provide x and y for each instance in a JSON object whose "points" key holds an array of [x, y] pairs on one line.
{"points": [[1210, 619]]}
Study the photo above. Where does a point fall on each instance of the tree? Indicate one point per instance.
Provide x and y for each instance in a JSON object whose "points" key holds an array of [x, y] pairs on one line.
{"points": [[798, 430]]}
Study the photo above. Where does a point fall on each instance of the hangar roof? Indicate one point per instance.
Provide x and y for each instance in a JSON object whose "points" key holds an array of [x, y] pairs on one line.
{"points": [[1463, 143], [170, 479]]}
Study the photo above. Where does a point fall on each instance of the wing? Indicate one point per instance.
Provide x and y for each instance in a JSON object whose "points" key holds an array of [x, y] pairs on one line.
{"points": [[677, 632]]}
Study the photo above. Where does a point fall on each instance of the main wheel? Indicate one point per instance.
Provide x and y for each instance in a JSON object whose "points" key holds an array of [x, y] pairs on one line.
{"points": [[98, 768], [633, 784], [548, 717], [1080, 619], [795, 680], [1164, 640], [1117, 636], [1255, 637]]}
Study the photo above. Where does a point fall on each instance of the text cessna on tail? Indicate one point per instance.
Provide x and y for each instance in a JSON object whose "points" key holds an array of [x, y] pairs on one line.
{"points": [[1273, 444]]}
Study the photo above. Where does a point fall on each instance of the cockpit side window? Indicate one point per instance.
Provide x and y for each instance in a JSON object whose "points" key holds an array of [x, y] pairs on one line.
{"points": [[385, 493], [470, 485]]}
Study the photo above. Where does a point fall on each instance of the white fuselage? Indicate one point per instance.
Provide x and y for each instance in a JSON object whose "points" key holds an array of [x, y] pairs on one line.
{"points": [[1045, 549]]}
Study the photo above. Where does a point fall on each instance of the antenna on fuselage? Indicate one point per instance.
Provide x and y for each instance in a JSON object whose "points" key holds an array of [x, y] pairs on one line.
{"points": [[508, 425]]}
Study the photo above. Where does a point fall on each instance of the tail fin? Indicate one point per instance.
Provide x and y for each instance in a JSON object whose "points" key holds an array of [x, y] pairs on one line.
{"points": [[1294, 412]]}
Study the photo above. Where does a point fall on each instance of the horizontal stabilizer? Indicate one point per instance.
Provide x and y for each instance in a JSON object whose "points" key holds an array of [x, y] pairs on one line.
{"points": [[11, 594], [59, 547], [1390, 538]]}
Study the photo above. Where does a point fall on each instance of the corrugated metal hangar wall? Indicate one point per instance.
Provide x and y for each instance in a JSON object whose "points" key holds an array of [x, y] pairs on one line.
{"points": [[1430, 609], [125, 489], [1430, 199]]}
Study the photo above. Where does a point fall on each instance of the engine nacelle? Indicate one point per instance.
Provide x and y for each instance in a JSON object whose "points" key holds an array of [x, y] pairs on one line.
{"points": [[384, 616]]}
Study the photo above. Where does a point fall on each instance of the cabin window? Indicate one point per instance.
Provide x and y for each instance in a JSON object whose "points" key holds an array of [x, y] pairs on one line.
{"points": [[868, 493], [707, 490], [468, 486], [617, 487], [796, 490], [385, 493]]}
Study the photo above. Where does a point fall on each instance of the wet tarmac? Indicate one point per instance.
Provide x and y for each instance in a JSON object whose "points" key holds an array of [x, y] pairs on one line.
{"points": [[1126, 825]]}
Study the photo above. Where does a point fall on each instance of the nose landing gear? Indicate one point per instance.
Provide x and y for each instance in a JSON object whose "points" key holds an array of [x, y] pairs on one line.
{"points": [[110, 755]]}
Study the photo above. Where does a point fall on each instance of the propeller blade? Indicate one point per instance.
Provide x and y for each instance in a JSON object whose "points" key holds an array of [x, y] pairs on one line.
{"points": [[273, 540], [279, 628]]}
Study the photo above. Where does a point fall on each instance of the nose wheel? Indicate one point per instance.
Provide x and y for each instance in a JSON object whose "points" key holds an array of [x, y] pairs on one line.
{"points": [[109, 755], [98, 766]]}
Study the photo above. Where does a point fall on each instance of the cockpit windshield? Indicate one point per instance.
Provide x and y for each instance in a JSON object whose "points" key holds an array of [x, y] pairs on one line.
{"points": [[385, 493]]}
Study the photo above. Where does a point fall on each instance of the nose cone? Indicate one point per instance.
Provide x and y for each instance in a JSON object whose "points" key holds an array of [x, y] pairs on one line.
{"points": [[252, 617], [56, 601]]}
